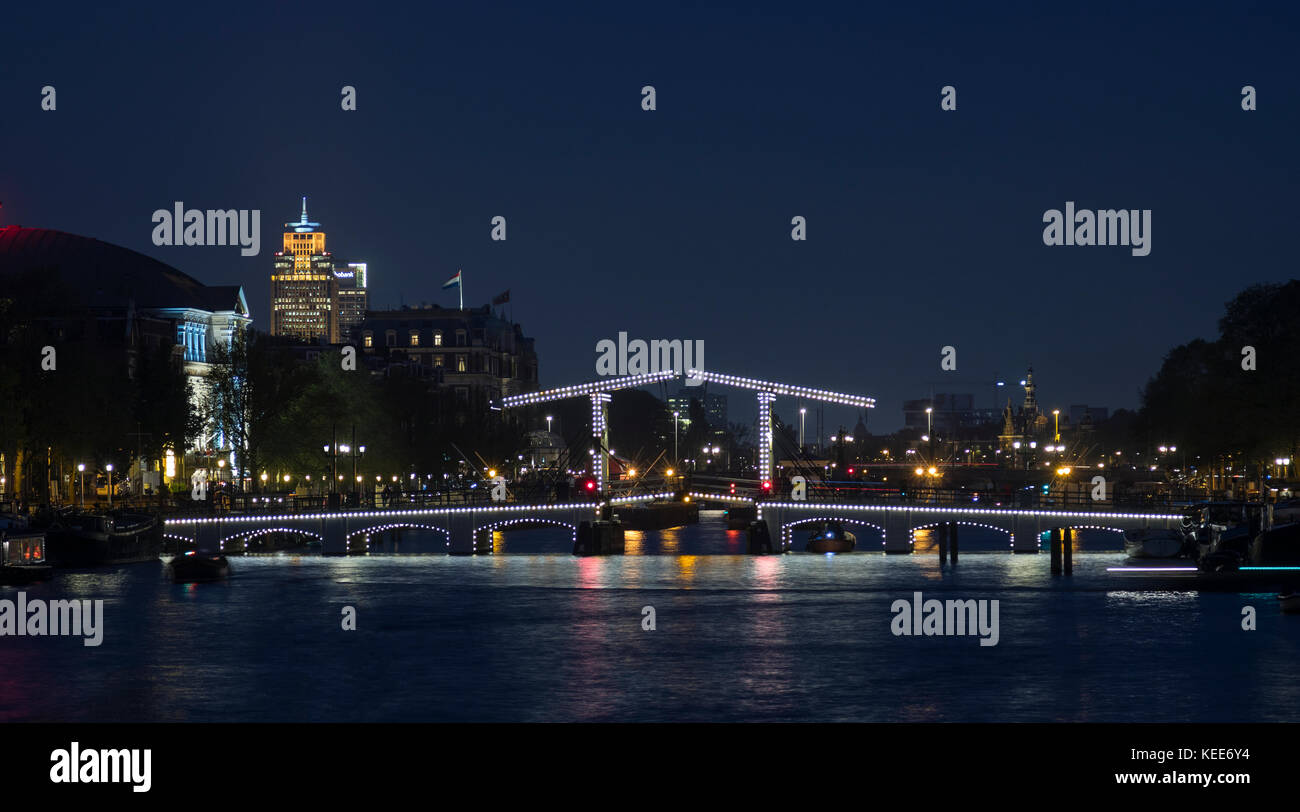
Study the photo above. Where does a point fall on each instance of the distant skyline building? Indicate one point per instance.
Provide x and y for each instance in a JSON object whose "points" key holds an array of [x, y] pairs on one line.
{"points": [[714, 404], [353, 298], [953, 412], [304, 289]]}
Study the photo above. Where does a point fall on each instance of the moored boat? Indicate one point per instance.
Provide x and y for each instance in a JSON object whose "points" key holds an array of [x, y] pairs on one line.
{"points": [[22, 557], [1154, 543], [1277, 546], [78, 539]]}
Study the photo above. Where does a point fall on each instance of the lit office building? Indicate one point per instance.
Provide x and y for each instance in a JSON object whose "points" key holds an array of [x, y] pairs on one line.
{"points": [[353, 298], [304, 289]]}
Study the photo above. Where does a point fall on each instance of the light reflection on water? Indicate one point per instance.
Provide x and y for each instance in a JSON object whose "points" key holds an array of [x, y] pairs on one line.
{"points": [[534, 633]]}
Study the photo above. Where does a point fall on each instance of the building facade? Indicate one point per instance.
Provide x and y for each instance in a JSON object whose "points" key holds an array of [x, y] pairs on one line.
{"points": [[475, 354], [112, 306]]}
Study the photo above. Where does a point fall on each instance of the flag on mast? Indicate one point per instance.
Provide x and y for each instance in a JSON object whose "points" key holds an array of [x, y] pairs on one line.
{"points": [[455, 282]]}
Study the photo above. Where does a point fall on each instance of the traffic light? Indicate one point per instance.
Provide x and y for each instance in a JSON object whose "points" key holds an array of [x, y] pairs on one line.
{"points": [[767, 487], [589, 485]]}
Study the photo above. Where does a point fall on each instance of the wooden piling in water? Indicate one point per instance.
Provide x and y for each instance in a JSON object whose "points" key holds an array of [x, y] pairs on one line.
{"points": [[942, 531], [952, 544], [1054, 540], [1067, 549]]}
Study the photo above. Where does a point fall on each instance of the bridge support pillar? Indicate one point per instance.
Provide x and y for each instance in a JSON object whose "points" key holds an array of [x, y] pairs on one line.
{"points": [[464, 536], [334, 537], [898, 532], [1024, 535]]}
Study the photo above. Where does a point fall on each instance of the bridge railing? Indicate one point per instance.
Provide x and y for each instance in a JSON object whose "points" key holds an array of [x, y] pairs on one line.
{"points": [[854, 493]]}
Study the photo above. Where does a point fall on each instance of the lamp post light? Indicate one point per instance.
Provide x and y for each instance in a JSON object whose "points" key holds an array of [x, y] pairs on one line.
{"points": [[548, 423], [1056, 414], [676, 424], [81, 483], [109, 468], [803, 412]]}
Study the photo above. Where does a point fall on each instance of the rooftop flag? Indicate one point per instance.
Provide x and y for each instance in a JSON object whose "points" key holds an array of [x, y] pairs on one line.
{"points": [[455, 282]]}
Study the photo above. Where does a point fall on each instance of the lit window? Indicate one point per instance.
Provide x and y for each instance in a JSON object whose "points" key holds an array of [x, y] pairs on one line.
{"points": [[415, 339], [437, 338]]}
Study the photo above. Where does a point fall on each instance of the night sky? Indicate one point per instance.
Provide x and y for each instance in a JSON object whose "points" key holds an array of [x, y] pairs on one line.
{"points": [[924, 227]]}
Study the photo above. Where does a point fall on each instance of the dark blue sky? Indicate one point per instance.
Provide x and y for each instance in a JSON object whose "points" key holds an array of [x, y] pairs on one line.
{"points": [[924, 227]]}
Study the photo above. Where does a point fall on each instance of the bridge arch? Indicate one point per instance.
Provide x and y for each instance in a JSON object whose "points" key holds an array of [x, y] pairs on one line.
{"points": [[243, 537], [788, 529], [1043, 536], [486, 532], [1010, 534]]}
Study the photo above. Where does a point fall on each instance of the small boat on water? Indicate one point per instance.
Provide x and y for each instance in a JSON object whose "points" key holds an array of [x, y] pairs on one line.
{"points": [[832, 538], [83, 539], [1154, 543], [22, 557], [193, 567]]}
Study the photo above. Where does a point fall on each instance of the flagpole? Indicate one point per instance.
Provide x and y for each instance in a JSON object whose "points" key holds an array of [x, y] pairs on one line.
{"points": [[461, 288]]}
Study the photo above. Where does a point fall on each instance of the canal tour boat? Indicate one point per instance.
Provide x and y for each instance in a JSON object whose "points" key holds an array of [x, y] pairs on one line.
{"points": [[832, 538], [83, 539]]}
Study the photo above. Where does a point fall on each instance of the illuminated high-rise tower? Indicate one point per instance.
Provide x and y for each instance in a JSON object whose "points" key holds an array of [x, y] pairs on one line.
{"points": [[353, 298], [304, 290]]}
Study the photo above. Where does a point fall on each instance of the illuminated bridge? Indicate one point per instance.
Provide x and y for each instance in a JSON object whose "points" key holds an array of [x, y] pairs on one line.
{"points": [[468, 529]]}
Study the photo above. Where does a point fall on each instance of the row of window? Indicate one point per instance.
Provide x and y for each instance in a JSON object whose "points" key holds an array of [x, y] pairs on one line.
{"points": [[413, 338]]}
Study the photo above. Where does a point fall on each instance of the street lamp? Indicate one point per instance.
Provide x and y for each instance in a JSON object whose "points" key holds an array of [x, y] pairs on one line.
{"points": [[676, 415], [109, 468], [1056, 413], [81, 482], [803, 412], [548, 425]]}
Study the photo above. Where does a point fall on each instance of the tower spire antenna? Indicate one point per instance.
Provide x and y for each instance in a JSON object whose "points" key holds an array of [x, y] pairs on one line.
{"points": [[304, 208]]}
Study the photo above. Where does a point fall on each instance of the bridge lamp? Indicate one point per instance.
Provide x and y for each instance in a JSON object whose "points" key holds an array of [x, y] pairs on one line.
{"points": [[920, 471], [263, 476], [286, 477], [1063, 471], [669, 472], [933, 470], [491, 473], [326, 448]]}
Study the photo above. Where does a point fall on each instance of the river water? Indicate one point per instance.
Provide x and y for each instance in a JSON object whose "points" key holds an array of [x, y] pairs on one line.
{"points": [[536, 634]]}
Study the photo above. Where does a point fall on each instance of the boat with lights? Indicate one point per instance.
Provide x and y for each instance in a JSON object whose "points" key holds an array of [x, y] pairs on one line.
{"points": [[832, 538]]}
